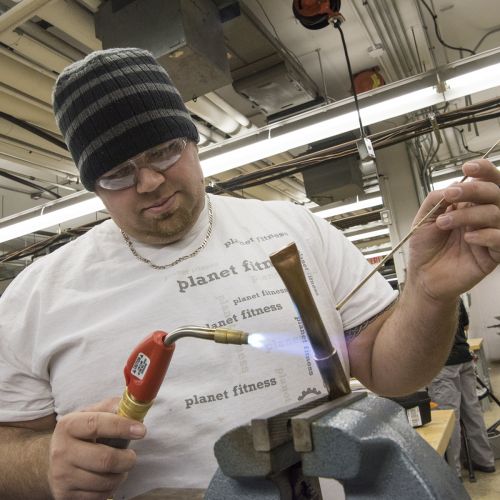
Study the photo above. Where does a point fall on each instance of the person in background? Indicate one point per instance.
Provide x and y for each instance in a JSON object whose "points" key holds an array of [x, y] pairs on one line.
{"points": [[454, 388], [172, 255]]}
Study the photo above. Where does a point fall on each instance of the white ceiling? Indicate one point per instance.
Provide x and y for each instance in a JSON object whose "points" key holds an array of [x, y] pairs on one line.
{"points": [[35, 46]]}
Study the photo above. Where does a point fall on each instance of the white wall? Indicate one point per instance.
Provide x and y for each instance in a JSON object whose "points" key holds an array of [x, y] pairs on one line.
{"points": [[485, 305]]}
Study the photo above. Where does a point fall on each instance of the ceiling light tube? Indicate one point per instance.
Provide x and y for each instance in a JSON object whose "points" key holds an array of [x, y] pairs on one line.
{"points": [[377, 254], [368, 234], [325, 213], [48, 215]]}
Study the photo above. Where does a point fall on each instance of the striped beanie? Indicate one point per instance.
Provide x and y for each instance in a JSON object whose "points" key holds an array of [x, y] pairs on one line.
{"points": [[115, 104]]}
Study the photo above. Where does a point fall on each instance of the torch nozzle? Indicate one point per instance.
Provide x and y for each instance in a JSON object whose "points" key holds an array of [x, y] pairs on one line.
{"points": [[229, 336], [219, 335]]}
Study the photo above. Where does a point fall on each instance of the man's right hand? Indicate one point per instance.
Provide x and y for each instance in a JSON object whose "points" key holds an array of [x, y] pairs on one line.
{"points": [[80, 468]]}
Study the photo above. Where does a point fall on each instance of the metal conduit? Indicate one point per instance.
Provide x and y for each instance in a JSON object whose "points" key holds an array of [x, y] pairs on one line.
{"points": [[239, 117], [211, 113], [394, 63], [20, 13], [414, 58], [392, 29], [210, 134]]}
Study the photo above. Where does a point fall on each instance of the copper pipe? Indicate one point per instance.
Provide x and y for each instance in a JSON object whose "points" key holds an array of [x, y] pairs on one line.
{"points": [[287, 263]]}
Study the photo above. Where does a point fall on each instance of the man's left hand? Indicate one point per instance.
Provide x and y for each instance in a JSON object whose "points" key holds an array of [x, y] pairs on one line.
{"points": [[460, 244]]}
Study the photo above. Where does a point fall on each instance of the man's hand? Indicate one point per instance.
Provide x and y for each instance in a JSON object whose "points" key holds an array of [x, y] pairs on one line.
{"points": [[79, 467], [460, 244]]}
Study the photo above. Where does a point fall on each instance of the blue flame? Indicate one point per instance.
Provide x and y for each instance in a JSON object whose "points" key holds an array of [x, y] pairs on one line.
{"points": [[281, 342], [257, 340]]}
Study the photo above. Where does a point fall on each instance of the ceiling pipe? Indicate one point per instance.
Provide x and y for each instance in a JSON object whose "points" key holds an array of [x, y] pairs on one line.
{"points": [[393, 34], [454, 144], [409, 47], [34, 50], [203, 139], [210, 134], [423, 24], [29, 64], [20, 13], [25, 79], [74, 20], [397, 68], [16, 106], [32, 101], [52, 41], [214, 115], [34, 130], [19, 138], [234, 113], [14, 157]]}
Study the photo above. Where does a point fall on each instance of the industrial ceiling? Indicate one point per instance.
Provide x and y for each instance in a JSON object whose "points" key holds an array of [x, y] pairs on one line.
{"points": [[240, 66]]}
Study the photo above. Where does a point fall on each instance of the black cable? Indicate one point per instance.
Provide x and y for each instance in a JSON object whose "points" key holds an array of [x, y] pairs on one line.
{"points": [[429, 159], [483, 38], [438, 34], [34, 130], [27, 183], [461, 132], [336, 24]]}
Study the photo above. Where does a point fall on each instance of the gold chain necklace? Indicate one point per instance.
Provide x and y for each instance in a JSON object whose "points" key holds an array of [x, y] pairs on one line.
{"points": [[136, 254]]}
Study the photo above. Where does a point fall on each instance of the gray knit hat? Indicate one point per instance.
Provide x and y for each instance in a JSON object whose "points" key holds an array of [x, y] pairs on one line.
{"points": [[115, 104]]}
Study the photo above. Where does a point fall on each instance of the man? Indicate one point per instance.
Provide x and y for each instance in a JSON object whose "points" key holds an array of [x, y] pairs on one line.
{"points": [[172, 256], [454, 387]]}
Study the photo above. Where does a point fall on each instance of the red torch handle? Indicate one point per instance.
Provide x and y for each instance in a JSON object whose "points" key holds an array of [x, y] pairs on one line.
{"points": [[147, 365]]}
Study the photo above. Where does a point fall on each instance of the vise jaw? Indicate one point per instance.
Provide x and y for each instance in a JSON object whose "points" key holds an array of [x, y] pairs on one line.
{"points": [[363, 441]]}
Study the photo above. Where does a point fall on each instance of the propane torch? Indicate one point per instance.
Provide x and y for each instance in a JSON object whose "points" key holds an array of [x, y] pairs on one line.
{"points": [[148, 363]]}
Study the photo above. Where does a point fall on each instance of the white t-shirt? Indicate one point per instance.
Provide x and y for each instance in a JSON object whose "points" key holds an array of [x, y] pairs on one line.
{"points": [[69, 322]]}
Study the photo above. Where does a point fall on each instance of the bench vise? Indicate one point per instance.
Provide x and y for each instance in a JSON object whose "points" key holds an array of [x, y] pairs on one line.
{"points": [[363, 441]]}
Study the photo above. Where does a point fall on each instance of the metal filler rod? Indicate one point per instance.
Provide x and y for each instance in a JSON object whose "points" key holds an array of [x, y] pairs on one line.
{"points": [[404, 240], [287, 264]]}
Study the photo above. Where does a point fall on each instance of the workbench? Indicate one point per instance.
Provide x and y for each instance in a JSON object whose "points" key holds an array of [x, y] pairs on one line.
{"points": [[438, 431]]}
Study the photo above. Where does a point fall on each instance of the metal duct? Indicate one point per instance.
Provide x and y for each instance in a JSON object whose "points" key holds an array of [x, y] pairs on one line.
{"points": [[184, 35]]}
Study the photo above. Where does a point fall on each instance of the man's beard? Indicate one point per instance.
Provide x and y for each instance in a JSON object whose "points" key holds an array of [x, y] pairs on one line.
{"points": [[171, 226]]}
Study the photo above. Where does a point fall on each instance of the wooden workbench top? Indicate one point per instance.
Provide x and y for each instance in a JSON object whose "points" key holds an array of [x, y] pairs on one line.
{"points": [[438, 431]]}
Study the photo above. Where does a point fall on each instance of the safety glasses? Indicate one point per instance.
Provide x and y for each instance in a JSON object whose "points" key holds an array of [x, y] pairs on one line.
{"points": [[159, 158]]}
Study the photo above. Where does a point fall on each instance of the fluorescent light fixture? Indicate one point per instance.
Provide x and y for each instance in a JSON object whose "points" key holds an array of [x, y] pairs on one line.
{"points": [[289, 134], [350, 207], [322, 129], [369, 234], [448, 182], [377, 254], [48, 215], [473, 81]]}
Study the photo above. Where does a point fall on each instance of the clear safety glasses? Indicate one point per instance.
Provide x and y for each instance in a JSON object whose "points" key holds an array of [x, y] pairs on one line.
{"points": [[159, 158]]}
